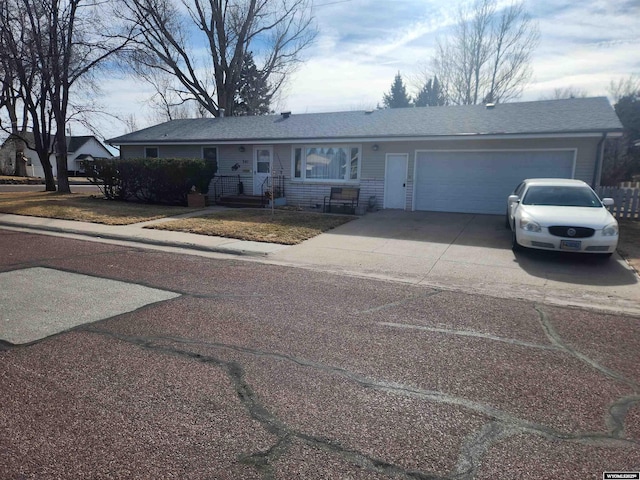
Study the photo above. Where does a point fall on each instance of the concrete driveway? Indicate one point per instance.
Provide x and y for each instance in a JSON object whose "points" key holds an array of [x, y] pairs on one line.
{"points": [[466, 252]]}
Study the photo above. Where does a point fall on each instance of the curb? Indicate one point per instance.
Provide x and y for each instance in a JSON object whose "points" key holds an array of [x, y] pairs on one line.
{"points": [[147, 241]]}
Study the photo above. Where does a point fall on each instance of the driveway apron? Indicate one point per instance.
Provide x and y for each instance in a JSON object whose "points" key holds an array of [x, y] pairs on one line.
{"points": [[466, 252]]}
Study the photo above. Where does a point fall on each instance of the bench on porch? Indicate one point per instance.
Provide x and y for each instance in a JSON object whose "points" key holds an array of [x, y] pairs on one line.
{"points": [[344, 197]]}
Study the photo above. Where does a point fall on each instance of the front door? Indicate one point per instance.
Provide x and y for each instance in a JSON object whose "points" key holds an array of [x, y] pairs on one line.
{"points": [[395, 181], [261, 168]]}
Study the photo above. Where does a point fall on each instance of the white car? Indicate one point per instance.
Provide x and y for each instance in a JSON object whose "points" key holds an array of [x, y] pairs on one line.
{"points": [[561, 214]]}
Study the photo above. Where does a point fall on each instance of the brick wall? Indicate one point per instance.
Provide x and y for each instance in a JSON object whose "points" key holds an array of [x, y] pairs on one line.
{"points": [[312, 194]]}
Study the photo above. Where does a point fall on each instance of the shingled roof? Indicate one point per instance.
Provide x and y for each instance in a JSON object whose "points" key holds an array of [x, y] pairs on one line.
{"points": [[571, 116]]}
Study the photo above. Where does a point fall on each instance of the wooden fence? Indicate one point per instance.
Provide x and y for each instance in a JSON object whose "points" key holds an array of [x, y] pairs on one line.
{"points": [[627, 201]]}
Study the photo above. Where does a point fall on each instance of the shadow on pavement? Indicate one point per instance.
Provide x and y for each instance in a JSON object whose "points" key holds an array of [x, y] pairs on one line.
{"points": [[576, 268]]}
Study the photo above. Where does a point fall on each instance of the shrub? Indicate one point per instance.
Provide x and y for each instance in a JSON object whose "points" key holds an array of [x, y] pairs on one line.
{"points": [[150, 180]]}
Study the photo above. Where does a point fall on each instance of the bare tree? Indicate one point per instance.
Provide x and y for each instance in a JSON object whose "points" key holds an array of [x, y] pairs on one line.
{"points": [[487, 57], [166, 40], [18, 116], [28, 87], [53, 45], [624, 87], [566, 92], [131, 123]]}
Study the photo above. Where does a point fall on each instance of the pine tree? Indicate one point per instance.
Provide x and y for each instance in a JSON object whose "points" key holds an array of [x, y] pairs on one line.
{"points": [[397, 97], [431, 94], [253, 96]]}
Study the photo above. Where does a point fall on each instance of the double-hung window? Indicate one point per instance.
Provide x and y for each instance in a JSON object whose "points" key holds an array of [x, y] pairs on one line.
{"points": [[151, 152], [210, 156], [335, 163]]}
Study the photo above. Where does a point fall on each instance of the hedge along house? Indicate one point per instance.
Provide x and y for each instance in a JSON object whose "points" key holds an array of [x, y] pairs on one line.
{"points": [[451, 159]]}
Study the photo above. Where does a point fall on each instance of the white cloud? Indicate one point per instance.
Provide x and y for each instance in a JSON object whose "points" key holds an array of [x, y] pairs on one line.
{"points": [[362, 44], [585, 45]]}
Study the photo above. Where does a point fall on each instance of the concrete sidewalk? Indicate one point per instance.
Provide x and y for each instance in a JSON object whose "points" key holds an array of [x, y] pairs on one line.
{"points": [[137, 233]]}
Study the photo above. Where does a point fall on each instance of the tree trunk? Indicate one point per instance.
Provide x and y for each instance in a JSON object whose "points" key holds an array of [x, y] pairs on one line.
{"points": [[21, 165], [61, 156], [63, 176], [49, 181]]}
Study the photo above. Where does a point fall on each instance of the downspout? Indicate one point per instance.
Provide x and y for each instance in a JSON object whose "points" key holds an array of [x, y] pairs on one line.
{"points": [[597, 172]]}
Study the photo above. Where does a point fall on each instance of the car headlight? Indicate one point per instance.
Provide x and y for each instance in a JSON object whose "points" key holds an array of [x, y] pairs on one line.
{"points": [[529, 225], [610, 230]]}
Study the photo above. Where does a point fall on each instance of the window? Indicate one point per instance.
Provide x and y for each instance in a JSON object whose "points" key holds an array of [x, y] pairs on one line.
{"points": [[210, 155], [327, 163], [562, 196], [151, 152]]}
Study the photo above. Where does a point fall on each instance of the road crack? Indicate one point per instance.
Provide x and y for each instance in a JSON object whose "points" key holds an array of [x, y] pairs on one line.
{"points": [[399, 302], [477, 445], [470, 333], [556, 340], [263, 461]]}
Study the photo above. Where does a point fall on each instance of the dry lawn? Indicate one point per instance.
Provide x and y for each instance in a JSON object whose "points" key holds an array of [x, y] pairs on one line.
{"points": [[13, 178], [284, 227], [82, 207]]}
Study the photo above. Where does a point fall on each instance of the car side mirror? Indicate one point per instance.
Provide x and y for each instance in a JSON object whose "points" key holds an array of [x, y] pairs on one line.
{"points": [[513, 198], [608, 202]]}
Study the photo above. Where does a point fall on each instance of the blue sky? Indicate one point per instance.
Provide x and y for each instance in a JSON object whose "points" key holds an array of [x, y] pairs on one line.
{"points": [[362, 44]]}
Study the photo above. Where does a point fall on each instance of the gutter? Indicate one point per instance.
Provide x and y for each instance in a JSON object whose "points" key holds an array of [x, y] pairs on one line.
{"points": [[597, 172], [356, 139]]}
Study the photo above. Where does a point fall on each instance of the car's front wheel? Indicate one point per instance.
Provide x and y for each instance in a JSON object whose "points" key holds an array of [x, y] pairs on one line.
{"points": [[515, 246], [507, 223]]}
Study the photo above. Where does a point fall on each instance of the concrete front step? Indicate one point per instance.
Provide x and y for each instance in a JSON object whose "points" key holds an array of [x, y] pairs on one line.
{"points": [[240, 201]]}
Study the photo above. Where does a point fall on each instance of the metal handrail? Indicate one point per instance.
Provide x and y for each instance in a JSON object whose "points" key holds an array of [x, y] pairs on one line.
{"points": [[225, 185], [278, 185]]}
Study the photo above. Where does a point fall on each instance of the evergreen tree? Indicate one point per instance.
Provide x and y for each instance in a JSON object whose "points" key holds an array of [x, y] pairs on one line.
{"points": [[628, 110], [431, 94], [622, 155], [253, 96], [397, 97]]}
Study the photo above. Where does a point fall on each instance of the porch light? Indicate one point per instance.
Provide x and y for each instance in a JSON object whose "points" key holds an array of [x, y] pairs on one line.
{"points": [[241, 149], [375, 147]]}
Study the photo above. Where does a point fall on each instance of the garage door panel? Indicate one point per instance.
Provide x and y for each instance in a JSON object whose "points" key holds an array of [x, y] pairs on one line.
{"points": [[479, 182]]}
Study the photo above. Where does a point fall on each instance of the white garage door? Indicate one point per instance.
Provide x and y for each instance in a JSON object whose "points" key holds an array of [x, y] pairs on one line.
{"points": [[480, 182]]}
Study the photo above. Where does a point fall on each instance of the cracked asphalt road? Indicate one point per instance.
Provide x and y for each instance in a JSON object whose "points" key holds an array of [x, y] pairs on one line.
{"points": [[267, 372]]}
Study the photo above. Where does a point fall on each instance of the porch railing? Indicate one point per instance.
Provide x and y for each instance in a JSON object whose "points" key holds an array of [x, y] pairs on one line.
{"points": [[224, 185], [272, 187]]}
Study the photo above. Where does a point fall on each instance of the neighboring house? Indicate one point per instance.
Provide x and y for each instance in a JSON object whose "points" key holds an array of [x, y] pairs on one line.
{"points": [[452, 158], [78, 149]]}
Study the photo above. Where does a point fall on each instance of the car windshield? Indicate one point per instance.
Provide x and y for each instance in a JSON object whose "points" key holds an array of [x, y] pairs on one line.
{"points": [[561, 196]]}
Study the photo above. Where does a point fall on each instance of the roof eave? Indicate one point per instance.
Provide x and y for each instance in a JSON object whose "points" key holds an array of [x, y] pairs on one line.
{"points": [[611, 132]]}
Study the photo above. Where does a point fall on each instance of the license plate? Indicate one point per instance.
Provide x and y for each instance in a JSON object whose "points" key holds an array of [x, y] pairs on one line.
{"points": [[570, 244]]}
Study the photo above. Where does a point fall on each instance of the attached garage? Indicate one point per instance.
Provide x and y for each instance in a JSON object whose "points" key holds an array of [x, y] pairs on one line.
{"points": [[480, 181]]}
